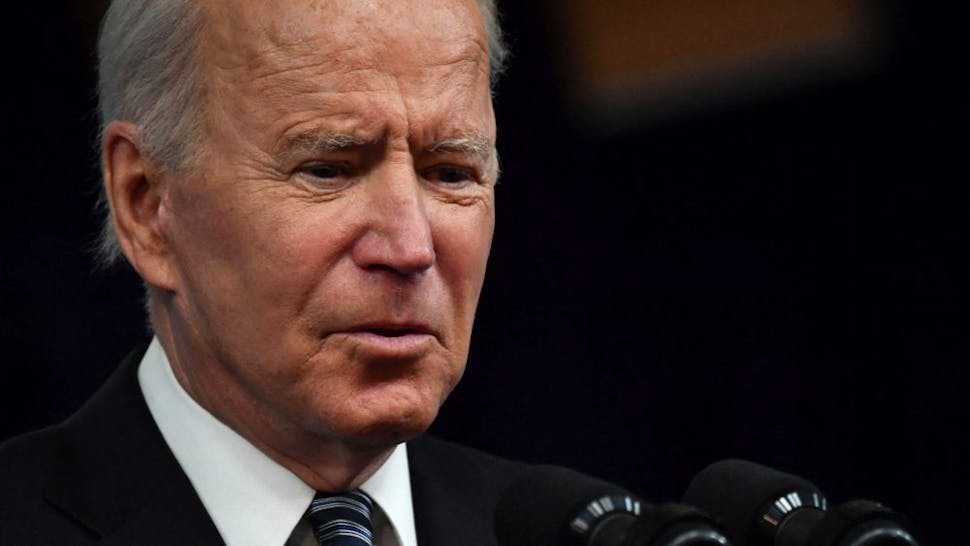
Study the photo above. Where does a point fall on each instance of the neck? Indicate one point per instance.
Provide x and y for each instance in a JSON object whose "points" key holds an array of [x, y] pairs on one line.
{"points": [[323, 461]]}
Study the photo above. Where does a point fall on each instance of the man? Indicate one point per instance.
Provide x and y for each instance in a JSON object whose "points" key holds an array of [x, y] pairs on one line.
{"points": [[307, 190]]}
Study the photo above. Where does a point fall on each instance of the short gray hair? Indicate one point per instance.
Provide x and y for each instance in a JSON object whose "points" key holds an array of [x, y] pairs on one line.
{"points": [[149, 74]]}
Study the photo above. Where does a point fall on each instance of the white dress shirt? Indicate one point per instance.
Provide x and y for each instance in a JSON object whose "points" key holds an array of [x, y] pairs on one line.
{"points": [[251, 498]]}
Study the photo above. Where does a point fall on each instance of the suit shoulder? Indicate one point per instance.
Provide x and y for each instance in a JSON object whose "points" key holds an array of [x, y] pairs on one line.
{"points": [[25, 516], [23, 458]]}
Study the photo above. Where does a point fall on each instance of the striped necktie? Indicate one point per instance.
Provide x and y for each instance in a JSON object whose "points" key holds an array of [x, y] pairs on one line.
{"points": [[342, 519]]}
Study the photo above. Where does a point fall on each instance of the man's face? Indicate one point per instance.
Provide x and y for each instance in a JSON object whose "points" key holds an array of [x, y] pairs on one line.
{"points": [[330, 248]]}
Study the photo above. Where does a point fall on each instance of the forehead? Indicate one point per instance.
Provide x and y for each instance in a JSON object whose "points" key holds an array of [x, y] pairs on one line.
{"points": [[342, 32], [365, 60]]}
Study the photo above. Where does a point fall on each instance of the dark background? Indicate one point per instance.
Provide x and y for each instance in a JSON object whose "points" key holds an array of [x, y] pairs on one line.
{"points": [[782, 278]]}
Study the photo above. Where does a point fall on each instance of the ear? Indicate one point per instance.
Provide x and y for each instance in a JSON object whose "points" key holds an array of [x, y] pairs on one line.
{"points": [[135, 189]]}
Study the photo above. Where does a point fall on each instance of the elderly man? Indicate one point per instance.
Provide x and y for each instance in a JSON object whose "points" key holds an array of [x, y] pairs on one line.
{"points": [[306, 188]]}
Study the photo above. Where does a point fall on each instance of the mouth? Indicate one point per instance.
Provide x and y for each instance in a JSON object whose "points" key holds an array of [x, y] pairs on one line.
{"points": [[389, 333], [392, 340], [392, 330]]}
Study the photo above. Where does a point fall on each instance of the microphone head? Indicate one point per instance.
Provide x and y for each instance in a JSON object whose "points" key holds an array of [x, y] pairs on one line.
{"points": [[550, 505], [673, 524], [864, 523], [752, 501]]}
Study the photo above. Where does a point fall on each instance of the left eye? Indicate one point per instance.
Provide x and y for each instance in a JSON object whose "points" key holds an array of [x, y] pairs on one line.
{"points": [[451, 175]]}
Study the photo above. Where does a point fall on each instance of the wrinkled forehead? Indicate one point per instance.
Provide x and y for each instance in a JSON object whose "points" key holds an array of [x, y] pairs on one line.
{"points": [[241, 32]]}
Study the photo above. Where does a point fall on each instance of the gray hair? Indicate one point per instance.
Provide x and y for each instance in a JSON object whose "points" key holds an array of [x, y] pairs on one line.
{"points": [[149, 74]]}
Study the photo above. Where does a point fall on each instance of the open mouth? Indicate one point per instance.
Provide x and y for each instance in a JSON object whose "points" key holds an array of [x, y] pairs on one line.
{"points": [[393, 330], [390, 332]]}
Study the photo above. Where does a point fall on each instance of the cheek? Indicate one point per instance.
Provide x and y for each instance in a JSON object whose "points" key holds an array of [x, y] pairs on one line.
{"points": [[211, 229], [247, 266], [258, 240], [463, 238]]}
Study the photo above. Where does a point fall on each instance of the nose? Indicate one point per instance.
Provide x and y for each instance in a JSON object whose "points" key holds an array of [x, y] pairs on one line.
{"points": [[397, 236]]}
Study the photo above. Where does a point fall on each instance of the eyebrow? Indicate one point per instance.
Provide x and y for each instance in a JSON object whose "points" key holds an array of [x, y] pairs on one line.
{"points": [[474, 144], [319, 141], [477, 145]]}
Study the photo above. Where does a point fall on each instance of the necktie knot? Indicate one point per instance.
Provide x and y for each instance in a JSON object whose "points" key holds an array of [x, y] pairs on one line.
{"points": [[342, 519]]}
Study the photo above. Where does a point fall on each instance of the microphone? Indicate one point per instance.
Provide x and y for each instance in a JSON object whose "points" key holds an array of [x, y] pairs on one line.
{"points": [[555, 506], [760, 506]]}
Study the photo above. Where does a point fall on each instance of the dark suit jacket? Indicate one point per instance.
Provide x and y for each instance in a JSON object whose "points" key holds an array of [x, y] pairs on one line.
{"points": [[106, 476]]}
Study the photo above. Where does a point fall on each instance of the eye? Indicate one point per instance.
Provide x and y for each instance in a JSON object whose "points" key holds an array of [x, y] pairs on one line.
{"points": [[325, 170], [451, 175], [325, 176]]}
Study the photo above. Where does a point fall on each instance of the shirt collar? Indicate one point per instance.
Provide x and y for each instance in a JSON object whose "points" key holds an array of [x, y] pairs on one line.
{"points": [[251, 498]]}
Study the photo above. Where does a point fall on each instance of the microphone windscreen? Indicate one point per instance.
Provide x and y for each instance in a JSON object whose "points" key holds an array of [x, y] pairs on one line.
{"points": [[738, 492], [538, 506]]}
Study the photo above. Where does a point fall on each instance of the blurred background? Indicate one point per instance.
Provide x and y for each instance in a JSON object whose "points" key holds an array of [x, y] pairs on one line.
{"points": [[725, 229]]}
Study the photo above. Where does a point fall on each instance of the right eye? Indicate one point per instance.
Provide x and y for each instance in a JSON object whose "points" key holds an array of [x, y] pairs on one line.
{"points": [[325, 176], [325, 170]]}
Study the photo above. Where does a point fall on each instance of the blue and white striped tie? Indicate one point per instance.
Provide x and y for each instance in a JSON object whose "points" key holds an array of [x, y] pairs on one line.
{"points": [[342, 519]]}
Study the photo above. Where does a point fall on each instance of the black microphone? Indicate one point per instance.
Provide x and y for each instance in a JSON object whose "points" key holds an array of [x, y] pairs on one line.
{"points": [[760, 506], [554, 506]]}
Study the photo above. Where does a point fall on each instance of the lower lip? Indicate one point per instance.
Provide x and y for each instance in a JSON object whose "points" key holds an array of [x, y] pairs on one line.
{"points": [[404, 345]]}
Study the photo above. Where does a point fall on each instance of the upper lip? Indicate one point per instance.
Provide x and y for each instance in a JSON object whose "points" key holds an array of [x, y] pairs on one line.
{"points": [[392, 328]]}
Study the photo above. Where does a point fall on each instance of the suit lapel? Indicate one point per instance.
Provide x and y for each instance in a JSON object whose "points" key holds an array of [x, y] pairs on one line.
{"points": [[117, 477], [454, 492], [172, 515]]}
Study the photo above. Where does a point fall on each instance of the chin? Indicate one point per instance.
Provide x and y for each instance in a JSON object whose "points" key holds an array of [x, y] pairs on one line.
{"points": [[397, 410], [385, 433], [386, 424]]}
